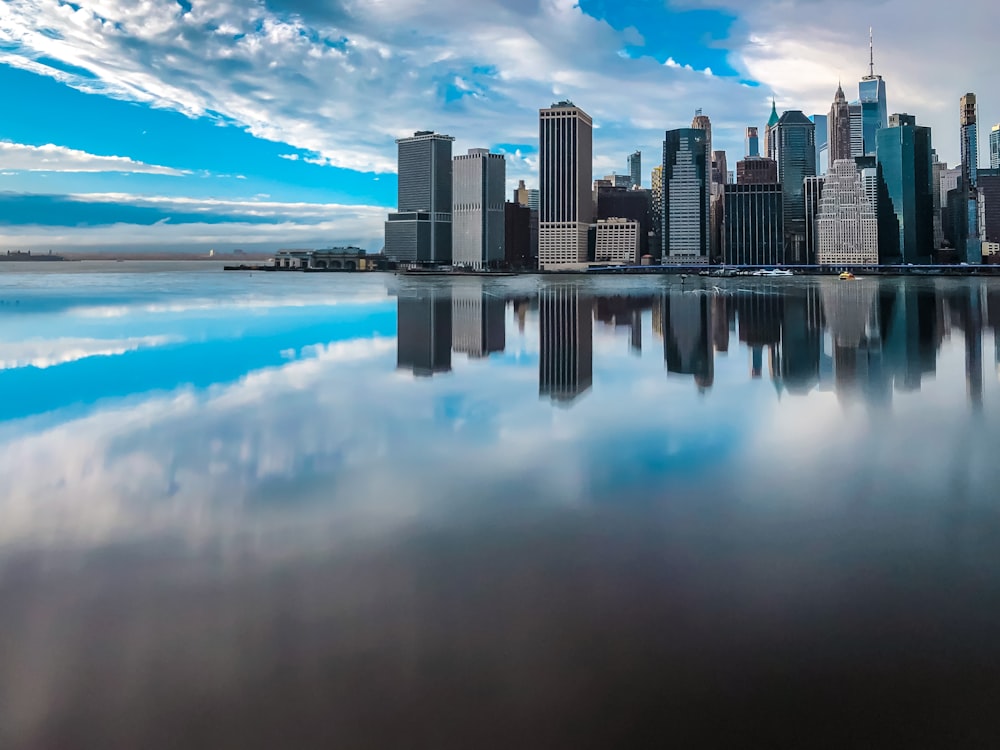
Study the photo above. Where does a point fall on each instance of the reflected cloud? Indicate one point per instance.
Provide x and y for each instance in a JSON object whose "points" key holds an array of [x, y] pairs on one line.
{"points": [[50, 353]]}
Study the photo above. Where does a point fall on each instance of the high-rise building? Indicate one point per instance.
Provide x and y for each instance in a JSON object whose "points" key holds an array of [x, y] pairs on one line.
{"points": [[517, 237], [635, 168], [420, 229], [566, 353], [565, 169], [822, 142], [795, 145], [970, 139], [770, 147], [848, 226], [686, 218], [995, 147], [756, 170], [656, 207], [839, 128], [752, 144], [812, 188], [857, 130], [937, 168], [720, 168], [874, 110], [988, 194], [617, 241], [701, 121], [905, 173], [752, 228], [968, 121], [479, 180]]}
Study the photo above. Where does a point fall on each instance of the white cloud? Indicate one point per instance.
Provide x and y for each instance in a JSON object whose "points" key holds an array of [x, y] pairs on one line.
{"points": [[44, 353], [52, 158]]}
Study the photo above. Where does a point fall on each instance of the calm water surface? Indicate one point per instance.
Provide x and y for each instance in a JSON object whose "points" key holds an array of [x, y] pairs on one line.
{"points": [[362, 511]]}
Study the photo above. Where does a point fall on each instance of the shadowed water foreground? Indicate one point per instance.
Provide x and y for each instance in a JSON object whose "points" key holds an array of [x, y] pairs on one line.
{"points": [[366, 512]]}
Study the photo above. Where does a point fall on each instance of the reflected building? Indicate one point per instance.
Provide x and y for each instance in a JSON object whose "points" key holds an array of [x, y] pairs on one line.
{"points": [[624, 311], [852, 320], [801, 339], [687, 336], [758, 316], [566, 327], [908, 317], [424, 331], [477, 326]]}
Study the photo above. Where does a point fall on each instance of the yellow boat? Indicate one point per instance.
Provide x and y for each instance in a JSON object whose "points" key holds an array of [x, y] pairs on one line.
{"points": [[846, 276]]}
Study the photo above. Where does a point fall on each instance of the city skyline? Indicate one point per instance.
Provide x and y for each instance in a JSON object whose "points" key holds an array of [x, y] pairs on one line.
{"points": [[244, 176]]}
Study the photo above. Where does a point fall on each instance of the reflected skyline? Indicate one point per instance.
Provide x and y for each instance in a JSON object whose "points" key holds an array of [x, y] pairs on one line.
{"points": [[863, 340]]}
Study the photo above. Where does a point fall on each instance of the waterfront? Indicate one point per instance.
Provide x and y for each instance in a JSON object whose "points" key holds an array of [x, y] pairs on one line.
{"points": [[374, 511]]}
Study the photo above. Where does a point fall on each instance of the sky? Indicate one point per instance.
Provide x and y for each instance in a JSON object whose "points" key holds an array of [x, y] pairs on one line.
{"points": [[192, 125]]}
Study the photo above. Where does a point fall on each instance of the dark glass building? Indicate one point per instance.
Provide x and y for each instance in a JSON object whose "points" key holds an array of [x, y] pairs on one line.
{"points": [[906, 195], [423, 331], [686, 219], [517, 236], [617, 203], [795, 143], [752, 227], [420, 230]]}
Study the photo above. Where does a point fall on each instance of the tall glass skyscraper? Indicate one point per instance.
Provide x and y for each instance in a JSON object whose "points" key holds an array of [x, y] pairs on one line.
{"points": [[822, 142], [686, 218], [906, 200], [874, 110], [968, 117], [420, 230], [635, 168], [752, 143], [795, 145], [995, 147]]}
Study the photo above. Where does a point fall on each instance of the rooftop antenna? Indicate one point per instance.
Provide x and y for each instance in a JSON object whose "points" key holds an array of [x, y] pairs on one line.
{"points": [[871, 52]]}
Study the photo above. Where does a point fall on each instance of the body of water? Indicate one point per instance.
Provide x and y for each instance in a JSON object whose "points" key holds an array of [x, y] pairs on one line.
{"points": [[367, 511]]}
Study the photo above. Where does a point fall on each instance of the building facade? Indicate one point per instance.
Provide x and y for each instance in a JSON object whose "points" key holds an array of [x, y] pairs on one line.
{"points": [[420, 229], [752, 143], [756, 170], [617, 241], [517, 237], [770, 147], [752, 227], [813, 190], [795, 139], [686, 218], [478, 327], [479, 181], [906, 207], [995, 147], [847, 224], [968, 122], [822, 142], [565, 170], [629, 204]]}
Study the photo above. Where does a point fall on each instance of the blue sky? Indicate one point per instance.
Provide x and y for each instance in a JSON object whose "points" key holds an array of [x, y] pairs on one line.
{"points": [[267, 123]]}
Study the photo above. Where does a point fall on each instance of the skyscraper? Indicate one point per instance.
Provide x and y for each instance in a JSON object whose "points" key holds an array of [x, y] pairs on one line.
{"points": [[968, 117], [756, 170], [857, 130], [905, 174], [420, 230], [968, 120], [565, 170], [770, 149], [874, 110], [635, 168], [479, 182], [752, 146], [686, 196], [813, 190], [839, 127], [995, 147], [752, 227], [848, 227], [795, 145], [822, 142], [656, 207]]}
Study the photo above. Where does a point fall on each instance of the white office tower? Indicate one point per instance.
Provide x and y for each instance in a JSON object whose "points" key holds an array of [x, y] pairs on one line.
{"points": [[565, 170], [617, 241], [848, 226], [477, 223]]}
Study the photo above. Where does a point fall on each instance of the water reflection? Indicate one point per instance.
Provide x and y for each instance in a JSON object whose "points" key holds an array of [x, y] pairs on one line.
{"points": [[344, 512], [862, 339]]}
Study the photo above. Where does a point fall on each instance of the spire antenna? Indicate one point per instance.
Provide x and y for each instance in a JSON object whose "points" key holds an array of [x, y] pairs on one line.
{"points": [[871, 52]]}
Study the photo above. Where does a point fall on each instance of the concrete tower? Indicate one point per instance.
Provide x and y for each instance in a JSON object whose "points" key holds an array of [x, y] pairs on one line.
{"points": [[565, 169]]}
